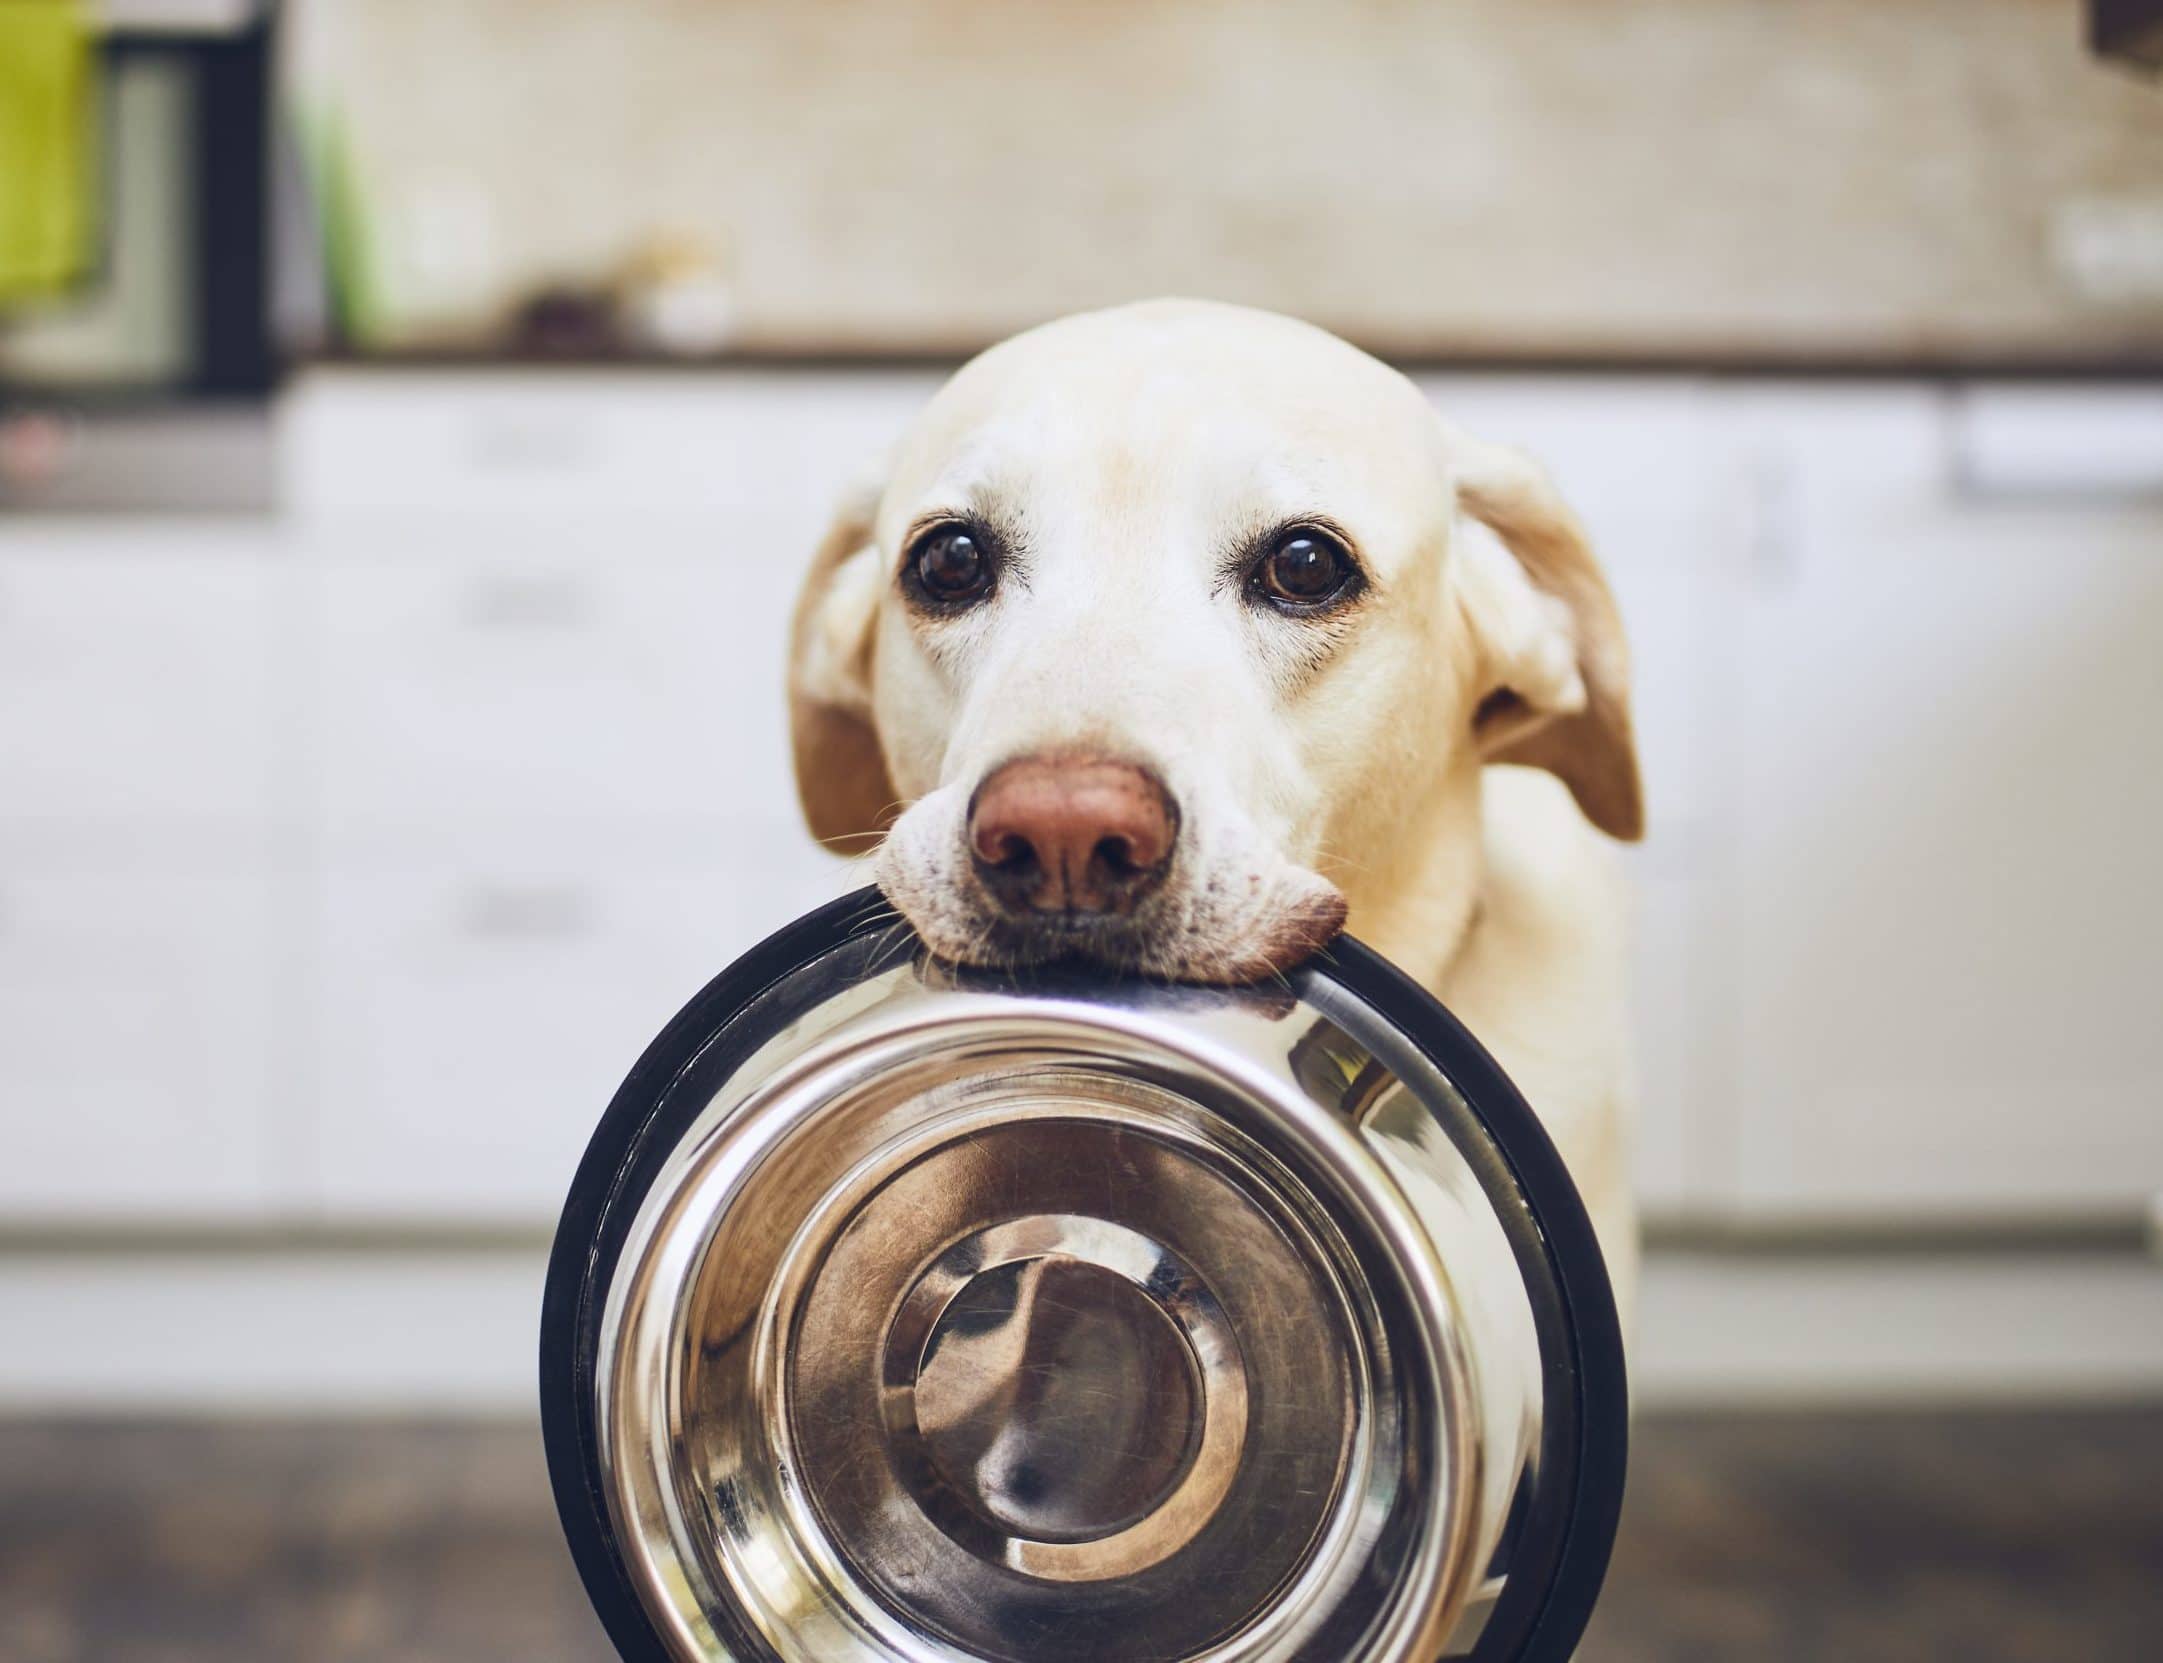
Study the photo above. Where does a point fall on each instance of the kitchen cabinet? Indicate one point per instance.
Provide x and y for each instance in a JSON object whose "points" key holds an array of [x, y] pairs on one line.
{"points": [[348, 857], [475, 1023], [551, 790], [493, 683], [141, 685], [552, 800], [143, 1035], [1941, 922], [142, 864]]}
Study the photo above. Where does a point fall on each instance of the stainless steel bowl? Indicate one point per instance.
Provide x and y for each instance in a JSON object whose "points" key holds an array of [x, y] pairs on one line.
{"points": [[906, 1314]]}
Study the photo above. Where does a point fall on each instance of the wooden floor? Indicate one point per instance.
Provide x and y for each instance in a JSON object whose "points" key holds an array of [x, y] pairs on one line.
{"points": [[1759, 1538]]}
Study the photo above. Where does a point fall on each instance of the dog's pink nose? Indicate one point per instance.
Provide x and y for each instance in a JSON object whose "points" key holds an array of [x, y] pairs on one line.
{"points": [[1072, 834]]}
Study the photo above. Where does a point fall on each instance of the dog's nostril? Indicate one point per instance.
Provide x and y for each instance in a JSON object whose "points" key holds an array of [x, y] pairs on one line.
{"points": [[1117, 854], [1013, 853]]}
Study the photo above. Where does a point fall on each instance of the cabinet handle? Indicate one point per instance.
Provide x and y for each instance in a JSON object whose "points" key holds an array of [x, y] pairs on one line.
{"points": [[530, 444], [527, 601], [526, 912], [2077, 448]]}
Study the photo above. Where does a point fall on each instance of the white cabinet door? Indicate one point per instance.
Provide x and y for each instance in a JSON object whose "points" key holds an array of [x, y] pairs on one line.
{"points": [[139, 1044], [1945, 915], [141, 717], [475, 1023], [500, 684], [138, 688]]}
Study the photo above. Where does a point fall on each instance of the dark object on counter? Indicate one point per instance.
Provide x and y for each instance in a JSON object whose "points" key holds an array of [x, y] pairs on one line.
{"points": [[905, 1313], [568, 322], [2129, 30]]}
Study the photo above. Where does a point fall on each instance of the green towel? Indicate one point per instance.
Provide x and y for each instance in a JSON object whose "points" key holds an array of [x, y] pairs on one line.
{"points": [[46, 89]]}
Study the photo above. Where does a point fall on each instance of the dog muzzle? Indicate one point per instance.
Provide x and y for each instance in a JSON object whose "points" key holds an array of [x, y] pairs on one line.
{"points": [[906, 1313]]}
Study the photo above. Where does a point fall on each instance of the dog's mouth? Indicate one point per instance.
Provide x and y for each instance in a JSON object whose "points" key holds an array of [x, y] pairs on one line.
{"points": [[1222, 905], [1163, 938], [1120, 941]]}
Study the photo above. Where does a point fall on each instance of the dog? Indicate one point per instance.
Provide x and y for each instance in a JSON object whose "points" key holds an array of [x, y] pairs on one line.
{"points": [[1180, 636]]}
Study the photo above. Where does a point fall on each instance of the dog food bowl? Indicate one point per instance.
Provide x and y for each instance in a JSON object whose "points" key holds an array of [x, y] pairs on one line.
{"points": [[903, 1313]]}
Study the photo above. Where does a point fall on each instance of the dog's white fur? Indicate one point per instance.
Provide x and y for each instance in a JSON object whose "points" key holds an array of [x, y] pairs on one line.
{"points": [[1129, 455]]}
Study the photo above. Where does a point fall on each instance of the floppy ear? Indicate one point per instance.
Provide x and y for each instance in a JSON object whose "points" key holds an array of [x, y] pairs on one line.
{"points": [[1555, 670], [842, 781]]}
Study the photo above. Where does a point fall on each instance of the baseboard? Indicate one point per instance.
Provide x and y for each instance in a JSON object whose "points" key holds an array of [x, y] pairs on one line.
{"points": [[1829, 1326], [445, 1327], [293, 1329]]}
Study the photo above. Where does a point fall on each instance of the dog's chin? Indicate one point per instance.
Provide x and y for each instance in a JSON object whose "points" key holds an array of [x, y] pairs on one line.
{"points": [[1164, 939]]}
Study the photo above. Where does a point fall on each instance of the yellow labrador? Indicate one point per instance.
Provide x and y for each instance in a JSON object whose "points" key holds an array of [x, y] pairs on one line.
{"points": [[1179, 636]]}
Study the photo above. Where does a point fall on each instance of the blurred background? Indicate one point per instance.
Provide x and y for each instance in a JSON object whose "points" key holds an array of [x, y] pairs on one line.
{"points": [[414, 413]]}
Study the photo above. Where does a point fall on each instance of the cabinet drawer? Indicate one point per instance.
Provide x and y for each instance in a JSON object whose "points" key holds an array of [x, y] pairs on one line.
{"points": [[475, 702], [476, 1023], [535, 441], [138, 1040], [136, 689]]}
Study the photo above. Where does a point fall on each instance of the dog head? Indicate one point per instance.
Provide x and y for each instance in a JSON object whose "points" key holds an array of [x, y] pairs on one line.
{"points": [[1167, 629]]}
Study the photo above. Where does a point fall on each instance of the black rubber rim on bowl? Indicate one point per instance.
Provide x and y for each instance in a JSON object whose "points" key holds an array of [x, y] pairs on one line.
{"points": [[1561, 1553]]}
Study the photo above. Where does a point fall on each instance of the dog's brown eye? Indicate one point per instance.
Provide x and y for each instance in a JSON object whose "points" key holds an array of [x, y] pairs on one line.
{"points": [[1304, 569], [951, 566]]}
